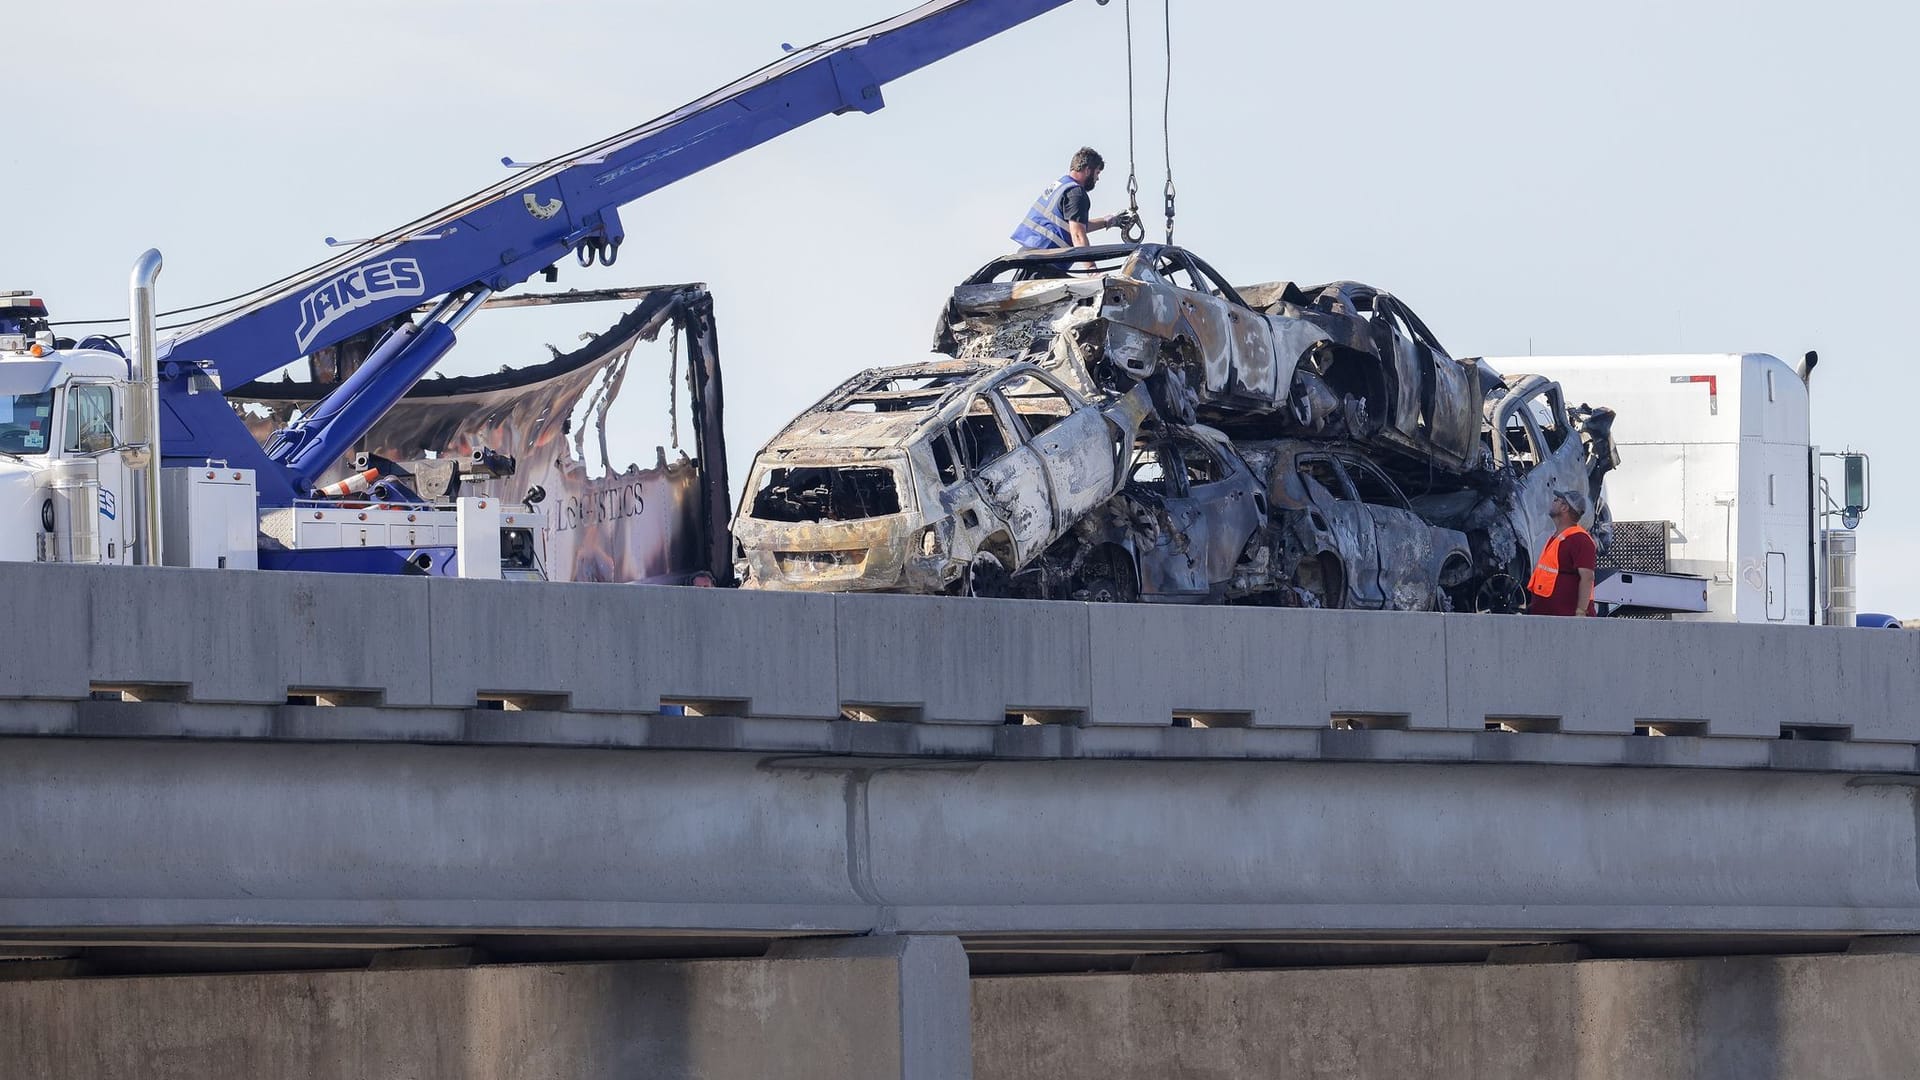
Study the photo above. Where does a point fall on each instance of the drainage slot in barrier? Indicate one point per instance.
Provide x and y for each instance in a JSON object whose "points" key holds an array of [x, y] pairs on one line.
{"points": [[692, 706], [883, 714], [1045, 716], [1532, 725], [1368, 721], [1817, 732], [1195, 718], [137, 691], [1690, 728], [523, 701], [335, 697]]}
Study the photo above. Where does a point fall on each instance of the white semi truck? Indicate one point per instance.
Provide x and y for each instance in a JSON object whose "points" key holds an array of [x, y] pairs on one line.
{"points": [[1719, 482], [80, 481]]}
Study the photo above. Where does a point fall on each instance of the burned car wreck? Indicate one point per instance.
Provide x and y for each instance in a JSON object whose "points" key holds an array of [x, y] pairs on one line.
{"points": [[1273, 360], [1287, 522], [944, 477], [1535, 446], [1194, 518], [1272, 444]]}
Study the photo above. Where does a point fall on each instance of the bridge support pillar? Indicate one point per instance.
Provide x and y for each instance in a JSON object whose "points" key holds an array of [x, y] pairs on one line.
{"points": [[933, 1014], [895, 1008]]}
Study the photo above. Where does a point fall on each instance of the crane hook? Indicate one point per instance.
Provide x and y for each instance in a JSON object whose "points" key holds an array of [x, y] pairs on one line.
{"points": [[1130, 228]]}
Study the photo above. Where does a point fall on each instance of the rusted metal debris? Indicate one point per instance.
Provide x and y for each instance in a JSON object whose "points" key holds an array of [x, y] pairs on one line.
{"points": [[663, 523], [1276, 445]]}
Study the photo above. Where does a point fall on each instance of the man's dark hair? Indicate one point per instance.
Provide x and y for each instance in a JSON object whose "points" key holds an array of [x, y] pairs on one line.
{"points": [[1086, 158]]}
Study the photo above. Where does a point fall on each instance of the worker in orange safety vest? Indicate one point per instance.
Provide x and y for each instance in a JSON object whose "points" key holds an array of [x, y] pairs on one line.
{"points": [[1562, 582]]}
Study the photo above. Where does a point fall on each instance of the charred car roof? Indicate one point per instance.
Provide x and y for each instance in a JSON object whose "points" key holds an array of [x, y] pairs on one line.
{"points": [[1274, 460], [1058, 262], [1105, 258], [888, 407], [1348, 301]]}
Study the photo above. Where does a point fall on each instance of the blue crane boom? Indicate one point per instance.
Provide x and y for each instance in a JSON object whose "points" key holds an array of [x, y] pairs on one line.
{"points": [[507, 233]]}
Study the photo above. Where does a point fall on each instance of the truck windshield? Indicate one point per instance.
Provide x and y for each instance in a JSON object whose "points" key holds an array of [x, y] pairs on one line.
{"points": [[25, 421]]}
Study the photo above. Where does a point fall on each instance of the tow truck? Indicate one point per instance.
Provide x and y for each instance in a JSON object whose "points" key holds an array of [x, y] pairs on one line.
{"points": [[137, 457]]}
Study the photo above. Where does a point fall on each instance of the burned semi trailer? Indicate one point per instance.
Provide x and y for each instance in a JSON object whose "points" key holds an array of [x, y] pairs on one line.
{"points": [[658, 523]]}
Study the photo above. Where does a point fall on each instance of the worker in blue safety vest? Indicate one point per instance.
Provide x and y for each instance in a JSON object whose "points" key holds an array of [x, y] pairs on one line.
{"points": [[1059, 217]]}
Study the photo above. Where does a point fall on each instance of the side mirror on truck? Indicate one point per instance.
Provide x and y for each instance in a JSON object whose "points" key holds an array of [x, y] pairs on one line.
{"points": [[1858, 492]]}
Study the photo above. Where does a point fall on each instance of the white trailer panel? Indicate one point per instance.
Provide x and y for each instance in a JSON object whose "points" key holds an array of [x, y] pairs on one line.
{"points": [[1717, 444]]}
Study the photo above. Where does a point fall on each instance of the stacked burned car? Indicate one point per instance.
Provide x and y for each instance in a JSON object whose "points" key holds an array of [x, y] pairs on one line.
{"points": [[949, 476], [1289, 522], [1120, 423], [1337, 360]]}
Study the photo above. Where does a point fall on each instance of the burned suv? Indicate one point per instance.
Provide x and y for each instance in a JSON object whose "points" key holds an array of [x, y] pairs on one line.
{"points": [[941, 477], [1340, 360]]}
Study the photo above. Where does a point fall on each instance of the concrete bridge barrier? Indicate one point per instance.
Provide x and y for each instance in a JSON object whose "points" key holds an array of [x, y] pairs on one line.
{"points": [[264, 638]]}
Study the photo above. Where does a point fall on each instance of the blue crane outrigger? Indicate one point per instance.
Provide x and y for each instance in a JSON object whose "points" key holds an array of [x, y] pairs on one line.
{"points": [[497, 238]]}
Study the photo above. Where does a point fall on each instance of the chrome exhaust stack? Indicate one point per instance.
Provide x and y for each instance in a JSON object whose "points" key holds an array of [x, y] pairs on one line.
{"points": [[144, 451]]}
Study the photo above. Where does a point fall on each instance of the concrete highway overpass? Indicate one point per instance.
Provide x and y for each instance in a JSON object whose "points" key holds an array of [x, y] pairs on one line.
{"points": [[247, 771]]}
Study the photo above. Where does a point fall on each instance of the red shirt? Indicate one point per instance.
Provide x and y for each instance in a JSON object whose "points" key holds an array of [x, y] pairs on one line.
{"points": [[1576, 553]]}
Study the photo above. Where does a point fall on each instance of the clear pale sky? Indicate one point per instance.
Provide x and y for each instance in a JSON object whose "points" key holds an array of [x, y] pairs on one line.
{"points": [[1706, 176]]}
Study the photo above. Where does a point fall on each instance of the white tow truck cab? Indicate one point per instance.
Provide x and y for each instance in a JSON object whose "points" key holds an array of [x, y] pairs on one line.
{"points": [[1718, 477], [75, 447], [66, 471]]}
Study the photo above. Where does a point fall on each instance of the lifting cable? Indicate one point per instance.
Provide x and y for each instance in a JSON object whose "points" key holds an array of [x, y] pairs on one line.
{"points": [[1166, 113], [1132, 232], [1136, 232]]}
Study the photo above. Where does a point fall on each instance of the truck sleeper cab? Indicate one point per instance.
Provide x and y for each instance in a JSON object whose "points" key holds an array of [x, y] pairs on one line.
{"points": [[1718, 470]]}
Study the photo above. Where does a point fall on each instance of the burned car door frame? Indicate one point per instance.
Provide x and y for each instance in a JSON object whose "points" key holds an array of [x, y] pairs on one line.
{"points": [[1012, 480], [1554, 459], [1359, 543], [1234, 343], [1418, 399], [1229, 500], [1079, 447], [1165, 543], [1255, 372], [1188, 525], [1443, 417], [1338, 562], [1415, 570]]}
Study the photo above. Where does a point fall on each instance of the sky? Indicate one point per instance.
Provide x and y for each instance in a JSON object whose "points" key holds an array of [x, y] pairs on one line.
{"points": [[1637, 177]]}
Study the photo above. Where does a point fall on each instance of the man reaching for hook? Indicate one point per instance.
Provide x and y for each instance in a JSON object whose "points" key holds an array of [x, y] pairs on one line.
{"points": [[1059, 217]]}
